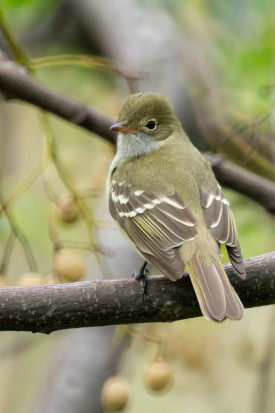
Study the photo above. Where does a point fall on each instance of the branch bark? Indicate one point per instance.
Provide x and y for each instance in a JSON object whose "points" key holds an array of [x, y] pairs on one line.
{"points": [[49, 308], [17, 85]]}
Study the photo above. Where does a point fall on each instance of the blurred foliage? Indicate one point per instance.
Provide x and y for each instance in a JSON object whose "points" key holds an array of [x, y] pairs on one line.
{"points": [[256, 228], [241, 40], [25, 12]]}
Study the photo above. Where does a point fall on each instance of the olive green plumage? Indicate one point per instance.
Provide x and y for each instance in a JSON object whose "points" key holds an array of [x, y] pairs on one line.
{"points": [[164, 196]]}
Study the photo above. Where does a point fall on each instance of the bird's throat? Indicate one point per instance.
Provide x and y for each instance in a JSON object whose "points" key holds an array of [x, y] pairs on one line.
{"points": [[135, 145]]}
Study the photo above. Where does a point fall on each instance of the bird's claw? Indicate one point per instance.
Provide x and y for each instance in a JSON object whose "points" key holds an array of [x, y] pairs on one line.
{"points": [[142, 276]]}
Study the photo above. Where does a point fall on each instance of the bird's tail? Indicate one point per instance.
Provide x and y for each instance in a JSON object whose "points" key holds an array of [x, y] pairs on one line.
{"points": [[216, 296]]}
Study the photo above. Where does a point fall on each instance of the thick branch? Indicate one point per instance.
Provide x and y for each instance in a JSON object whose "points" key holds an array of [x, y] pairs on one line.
{"points": [[49, 308], [16, 85]]}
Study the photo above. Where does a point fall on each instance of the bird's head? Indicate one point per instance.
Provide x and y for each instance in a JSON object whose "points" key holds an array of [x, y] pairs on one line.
{"points": [[147, 116]]}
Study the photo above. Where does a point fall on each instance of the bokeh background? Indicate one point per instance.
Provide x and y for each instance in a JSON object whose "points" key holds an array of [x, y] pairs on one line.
{"points": [[215, 60]]}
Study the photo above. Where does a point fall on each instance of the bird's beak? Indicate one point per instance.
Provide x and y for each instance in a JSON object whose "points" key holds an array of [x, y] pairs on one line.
{"points": [[123, 128]]}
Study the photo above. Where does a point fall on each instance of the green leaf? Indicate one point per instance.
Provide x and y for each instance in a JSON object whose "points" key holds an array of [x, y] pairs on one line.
{"points": [[16, 3]]}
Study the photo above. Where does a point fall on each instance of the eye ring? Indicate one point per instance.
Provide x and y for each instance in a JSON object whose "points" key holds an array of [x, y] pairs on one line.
{"points": [[151, 124]]}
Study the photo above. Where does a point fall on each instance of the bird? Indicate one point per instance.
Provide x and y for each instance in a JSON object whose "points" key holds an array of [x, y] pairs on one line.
{"points": [[164, 195]]}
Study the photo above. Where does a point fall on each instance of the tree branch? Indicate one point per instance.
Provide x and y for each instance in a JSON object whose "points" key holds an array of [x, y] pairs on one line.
{"points": [[49, 308], [15, 84]]}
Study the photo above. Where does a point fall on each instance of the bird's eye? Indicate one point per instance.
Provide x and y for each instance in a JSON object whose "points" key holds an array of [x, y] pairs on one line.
{"points": [[151, 124]]}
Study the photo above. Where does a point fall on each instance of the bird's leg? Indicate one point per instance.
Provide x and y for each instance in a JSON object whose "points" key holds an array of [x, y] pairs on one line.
{"points": [[141, 276]]}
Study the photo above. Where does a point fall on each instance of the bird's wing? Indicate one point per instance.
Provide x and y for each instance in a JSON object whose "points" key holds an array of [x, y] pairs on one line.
{"points": [[157, 225], [219, 219]]}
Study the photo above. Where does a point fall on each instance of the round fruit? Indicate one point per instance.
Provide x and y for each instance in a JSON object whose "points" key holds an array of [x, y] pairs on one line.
{"points": [[115, 394], [67, 209], [68, 266], [159, 375], [29, 279]]}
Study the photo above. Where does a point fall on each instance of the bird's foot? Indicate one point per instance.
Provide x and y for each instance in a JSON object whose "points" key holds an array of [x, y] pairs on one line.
{"points": [[142, 276]]}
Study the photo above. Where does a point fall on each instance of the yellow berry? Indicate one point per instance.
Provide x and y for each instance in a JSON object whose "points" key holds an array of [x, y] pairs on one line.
{"points": [[67, 210], [115, 394], [30, 279], [159, 375], [68, 266], [3, 281]]}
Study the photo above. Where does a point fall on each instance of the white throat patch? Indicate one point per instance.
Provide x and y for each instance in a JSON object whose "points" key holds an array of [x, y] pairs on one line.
{"points": [[132, 145]]}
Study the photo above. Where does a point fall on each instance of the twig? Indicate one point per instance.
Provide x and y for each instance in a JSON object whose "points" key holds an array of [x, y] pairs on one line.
{"points": [[7, 253], [91, 62], [19, 54], [24, 184], [20, 235], [65, 177], [49, 308]]}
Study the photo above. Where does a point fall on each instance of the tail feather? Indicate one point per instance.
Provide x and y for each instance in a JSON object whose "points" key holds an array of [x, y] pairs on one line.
{"points": [[234, 309], [216, 296]]}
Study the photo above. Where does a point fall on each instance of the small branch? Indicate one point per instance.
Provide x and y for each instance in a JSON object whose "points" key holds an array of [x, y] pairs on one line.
{"points": [[254, 186], [18, 52], [7, 253], [16, 230], [50, 308]]}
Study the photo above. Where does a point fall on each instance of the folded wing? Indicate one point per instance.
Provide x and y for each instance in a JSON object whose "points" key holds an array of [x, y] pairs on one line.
{"points": [[157, 225], [219, 219]]}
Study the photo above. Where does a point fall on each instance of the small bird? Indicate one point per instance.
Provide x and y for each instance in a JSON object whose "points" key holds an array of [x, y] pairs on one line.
{"points": [[165, 197]]}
